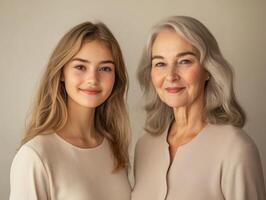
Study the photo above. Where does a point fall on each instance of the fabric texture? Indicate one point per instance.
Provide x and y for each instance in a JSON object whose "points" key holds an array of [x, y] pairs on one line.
{"points": [[221, 163], [48, 167]]}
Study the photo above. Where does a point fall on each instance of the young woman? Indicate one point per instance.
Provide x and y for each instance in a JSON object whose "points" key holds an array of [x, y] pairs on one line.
{"points": [[194, 147], [76, 144]]}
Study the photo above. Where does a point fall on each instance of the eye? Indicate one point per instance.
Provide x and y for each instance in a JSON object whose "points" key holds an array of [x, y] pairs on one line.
{"points": [[80, 67], [106, 69], [185, 62], [159, 64]]}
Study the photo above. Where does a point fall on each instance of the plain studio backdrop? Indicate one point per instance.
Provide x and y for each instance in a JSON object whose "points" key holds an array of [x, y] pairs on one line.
{"points": [[30, 30]]}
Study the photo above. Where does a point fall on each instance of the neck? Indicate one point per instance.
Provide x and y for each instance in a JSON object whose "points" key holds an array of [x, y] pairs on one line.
{"points": [[80, 122], [189, 119]]}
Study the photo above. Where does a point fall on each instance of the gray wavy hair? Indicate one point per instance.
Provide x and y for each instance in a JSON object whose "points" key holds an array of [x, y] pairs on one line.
{"points": [[221, 106]]}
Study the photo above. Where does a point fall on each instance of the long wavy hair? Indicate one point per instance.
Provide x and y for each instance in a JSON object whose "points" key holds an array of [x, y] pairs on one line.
{"points": [[49, 112], [221, 106]]}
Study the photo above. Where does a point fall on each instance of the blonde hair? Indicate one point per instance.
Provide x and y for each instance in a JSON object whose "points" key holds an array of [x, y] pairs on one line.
{"points": [[50, 112], [221, 106]]}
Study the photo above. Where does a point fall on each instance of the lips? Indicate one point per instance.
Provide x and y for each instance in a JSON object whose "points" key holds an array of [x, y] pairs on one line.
{"points": [[174, 89], [90, 91]]}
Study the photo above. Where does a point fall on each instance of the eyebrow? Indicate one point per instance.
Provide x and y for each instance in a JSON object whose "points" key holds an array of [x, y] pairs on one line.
{"points": [[178, 55], [87, 61]]}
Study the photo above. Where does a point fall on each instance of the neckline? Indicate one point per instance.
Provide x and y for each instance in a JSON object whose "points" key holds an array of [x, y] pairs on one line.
{"points": [[66, 143], [193, 140], [182, 147]]}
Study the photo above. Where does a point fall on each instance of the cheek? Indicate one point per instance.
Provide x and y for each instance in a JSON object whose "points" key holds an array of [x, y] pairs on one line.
{"points": [[72, 81], [72, 77], [111, 82], [195, 77], [156, 79], [195, 80], [108, 80]]}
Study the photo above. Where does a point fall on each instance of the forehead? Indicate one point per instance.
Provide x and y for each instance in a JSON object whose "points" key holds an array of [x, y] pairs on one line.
{"points": [[95, 48], [168, 40]]}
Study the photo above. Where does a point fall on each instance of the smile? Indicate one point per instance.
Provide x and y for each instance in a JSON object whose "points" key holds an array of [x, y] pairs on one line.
{"points": [[90, 91], [174, 89]]}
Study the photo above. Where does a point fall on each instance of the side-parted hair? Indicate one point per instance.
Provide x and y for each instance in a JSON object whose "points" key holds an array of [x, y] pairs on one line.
{"points": [[221, 106], [49, 112]]}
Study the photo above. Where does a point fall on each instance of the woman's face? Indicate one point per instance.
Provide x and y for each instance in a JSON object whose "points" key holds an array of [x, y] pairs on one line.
{"points": [[176, 72], [89, 77]]}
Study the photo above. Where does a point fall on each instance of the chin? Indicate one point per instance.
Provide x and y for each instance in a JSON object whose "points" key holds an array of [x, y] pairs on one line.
{"points": [[91, 104], [176, 104]]}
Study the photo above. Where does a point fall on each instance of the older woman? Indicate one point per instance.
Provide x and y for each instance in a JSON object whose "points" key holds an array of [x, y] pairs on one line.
{"points": [[194, 148]]}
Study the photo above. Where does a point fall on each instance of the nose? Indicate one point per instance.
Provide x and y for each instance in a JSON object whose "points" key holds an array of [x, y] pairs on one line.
{"points": [[172, 73], [92, 76]]}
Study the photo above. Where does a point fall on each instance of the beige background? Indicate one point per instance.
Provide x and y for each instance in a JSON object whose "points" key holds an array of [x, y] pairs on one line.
{"points": [[30, 30]]}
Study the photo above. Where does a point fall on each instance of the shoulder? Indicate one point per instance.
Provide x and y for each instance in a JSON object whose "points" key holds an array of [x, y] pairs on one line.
{"points": [[235, 141], [241, 164], [41, 146], [25, 155], [28, 174], [144, 138], [35, 153], [230, 134], [40, 141], [147, 139], [26, 159], [148, 145]]}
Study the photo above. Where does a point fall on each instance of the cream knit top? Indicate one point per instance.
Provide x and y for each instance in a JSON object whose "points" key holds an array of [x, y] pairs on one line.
{"points": [[220, 163], [48, 167]]}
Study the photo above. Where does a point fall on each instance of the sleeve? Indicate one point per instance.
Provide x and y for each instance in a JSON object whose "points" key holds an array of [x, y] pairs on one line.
{"points": [[139, 155], [242, 176], [135, 162], [135, 195], [28, 177]]}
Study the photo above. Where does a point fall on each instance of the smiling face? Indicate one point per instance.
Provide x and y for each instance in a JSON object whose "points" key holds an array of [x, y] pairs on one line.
{"points": [[176, 72], [89, 77]]}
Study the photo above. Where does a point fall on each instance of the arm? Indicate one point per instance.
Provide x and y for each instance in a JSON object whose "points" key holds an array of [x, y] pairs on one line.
{"points": [[242, 176], [136, 156], [28, 177]]}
